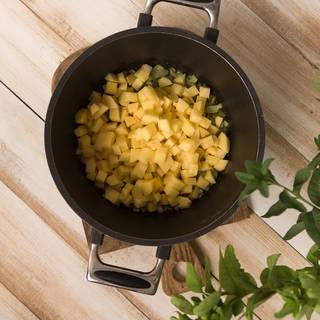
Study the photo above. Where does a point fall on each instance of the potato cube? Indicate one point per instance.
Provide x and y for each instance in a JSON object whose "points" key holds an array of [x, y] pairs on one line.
{"points": [[102, 110], [121, 77], [122, 130], [204, 92], [160, 155], [97, 125], [125, 191], [212, 160], [209, 177], [212, 150], [114, 115], [187, 128], [101, 176], [133, 107], [154, 144], [93, 108], [113, 179], [143, 72], [80, 131], [224, 142], [113, 160], [139, 114], [170, 191], [147, 187], [125, 156], [127, 97], [112, 195], [204, 166], [150, 116], [110, 126], [195, 194], [165, 125], [193, 91], [218, 121], [139, 170], [181, 105], [207, 142], [109, 139], [205, 122], [84, 141], [130, 78], [202, 183], [184, 202], [91, 165], [137, 84], [174, 150], [129, 121], [109, 102], [177, 89], [91, 176], [81, 116], [221, 165], [111, 88], [220, 153], [190, 181], [103, 165], [145, 155], [164, 82], [111, 77], [186, 189], [166, 165], [186, 144]]}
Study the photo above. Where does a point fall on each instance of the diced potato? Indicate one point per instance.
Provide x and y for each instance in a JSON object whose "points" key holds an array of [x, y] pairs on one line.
{"points": [[150, 116], [186, 189], [127, 97], [184, 202], [139, 170], [212, 160], [209, 177], [195, 116], [109, 102], [121, 77], [137, 84], [220, 153], [111, 77], [204, 92], [101, 176], [170, 191], [111, 87], [166, 165], [164, 82], [114, 115], [91, 165], [204, 166], [133, 107], [81, 116], [212, 150], [129, 121], [202, 183], [181, 105], [91, 176], [97, 125], [93, 108], [224, 142], [84, 141], [122, 87], [113, 179], [218, 121], [207, 142], [112, 195], [193, 91], [177, 89], [221, 165], [143, 73], [180, 78], [186, 144], [195, 193], [164, 125], [187, 128], [111, 126], [203, 133], [205, 122], [80, 131]]}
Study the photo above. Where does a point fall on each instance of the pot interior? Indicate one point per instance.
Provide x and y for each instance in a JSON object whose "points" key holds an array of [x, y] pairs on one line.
{"points": [[128, 50]]}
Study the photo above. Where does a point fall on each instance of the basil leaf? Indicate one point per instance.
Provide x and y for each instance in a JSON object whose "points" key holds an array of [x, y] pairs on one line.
{"points": [[207, 304], [289, 307], [291, 202], [233, 279], [314, 254], [264, 188], [310, 283], [301, 177], [244, 177], [208, 285], [182, 304], [265, 166], [193, 280], [281, 276], [237, 307], [294, 230], [196, 300], [272, 260], [264, 276], [311, 227], [254, 168], [275, 210], [248, 190], [314, 187], [314, 162], [257, 299], [316, 217]]}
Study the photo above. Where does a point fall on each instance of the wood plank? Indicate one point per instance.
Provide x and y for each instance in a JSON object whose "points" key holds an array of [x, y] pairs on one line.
{"points": [[12, 308], [296, 21], [46, 274]]}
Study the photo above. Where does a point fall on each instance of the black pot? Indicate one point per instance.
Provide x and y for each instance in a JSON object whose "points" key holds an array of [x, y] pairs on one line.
{"points": [[123, 51]]}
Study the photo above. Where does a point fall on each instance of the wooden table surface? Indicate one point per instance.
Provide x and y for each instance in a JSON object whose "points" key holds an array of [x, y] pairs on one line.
{"points": [[43, 248]]}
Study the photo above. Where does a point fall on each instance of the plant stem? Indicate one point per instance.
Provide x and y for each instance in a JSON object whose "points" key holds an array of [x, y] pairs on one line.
{"points": [[298, 196]]}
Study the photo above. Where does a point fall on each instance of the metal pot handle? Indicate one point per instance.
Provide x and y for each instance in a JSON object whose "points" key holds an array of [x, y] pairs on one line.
{"points": [[212, 7], [138, 281]]}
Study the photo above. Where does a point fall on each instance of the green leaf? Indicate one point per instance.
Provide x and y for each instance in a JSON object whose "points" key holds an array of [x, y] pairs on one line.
{"points": [[207, 304], [291, 202], [281, 276], [316, 217], [311, 227], [314, 162], [237, 307], [174, 318], [314, 254], [264, 276], [207, 267], [196, 300], [314, 187], [317, 86], [193, 280], [254, 168], [183, 317], [294, 230], [317, 140], [301, 177], [264, 188], [265, 166], [310, 282], [182, 304], [248, 190], [290, 307], [275, 210], [259, 297], [244, 177], [272, 260], [233, 279]]}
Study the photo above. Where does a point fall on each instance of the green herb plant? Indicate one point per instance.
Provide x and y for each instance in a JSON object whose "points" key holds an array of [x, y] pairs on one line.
{"points": [[238, 293]]}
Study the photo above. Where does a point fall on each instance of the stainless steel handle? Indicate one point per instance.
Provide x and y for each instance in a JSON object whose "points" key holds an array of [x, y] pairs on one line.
{"points": [[212, 8], [134, 280]]}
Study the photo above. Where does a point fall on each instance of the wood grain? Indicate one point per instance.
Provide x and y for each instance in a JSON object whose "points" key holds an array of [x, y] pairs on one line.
{"points": [[11, 308]]}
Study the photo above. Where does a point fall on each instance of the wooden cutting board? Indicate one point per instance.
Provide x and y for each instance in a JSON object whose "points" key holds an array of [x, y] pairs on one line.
{"points": [[183, 252]]}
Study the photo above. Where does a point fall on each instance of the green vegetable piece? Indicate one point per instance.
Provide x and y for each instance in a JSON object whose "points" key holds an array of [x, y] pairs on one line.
{"points": [[193, 279], [289, 307], [182, 304], [191, 80], [157, 72], [214, 108]]}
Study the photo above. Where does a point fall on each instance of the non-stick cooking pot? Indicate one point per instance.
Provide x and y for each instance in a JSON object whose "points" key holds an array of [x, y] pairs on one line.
{"points": [[123, 51]]}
